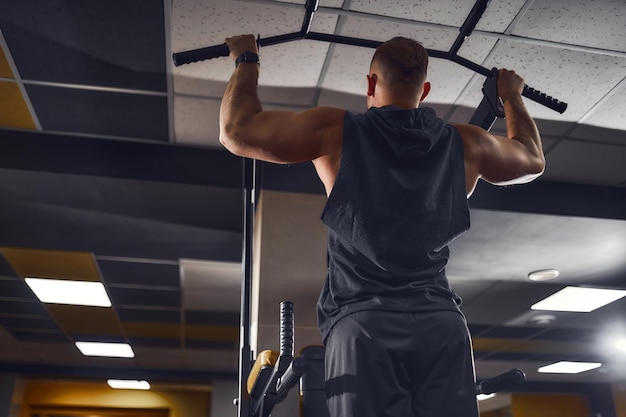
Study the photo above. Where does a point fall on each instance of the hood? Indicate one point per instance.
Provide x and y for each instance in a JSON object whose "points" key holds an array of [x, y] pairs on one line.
{"points": [[409, 133]]}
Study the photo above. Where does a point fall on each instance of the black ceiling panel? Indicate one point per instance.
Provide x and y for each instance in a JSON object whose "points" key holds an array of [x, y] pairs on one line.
{"points": [[22, 308], [39, 322], [154, 341], [97, 337], [100, 112], [140, 273], [104, 43], [144, 297], [38, 336], [5, 268], [15, 288], [214, 318], [210, 344], [161, 315]]}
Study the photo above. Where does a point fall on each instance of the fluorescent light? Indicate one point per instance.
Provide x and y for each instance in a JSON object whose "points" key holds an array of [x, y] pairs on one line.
{"points": [[59, 291], [620, 344], [565, 367], [128, 384], [483, 397], [579, 299], [113, 350]]}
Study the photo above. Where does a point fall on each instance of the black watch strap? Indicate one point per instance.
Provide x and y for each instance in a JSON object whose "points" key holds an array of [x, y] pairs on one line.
{"points": [[247, 57]]}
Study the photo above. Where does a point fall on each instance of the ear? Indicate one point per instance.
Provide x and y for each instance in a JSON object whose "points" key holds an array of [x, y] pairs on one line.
{"points": [[371, 84], [426, 91]]}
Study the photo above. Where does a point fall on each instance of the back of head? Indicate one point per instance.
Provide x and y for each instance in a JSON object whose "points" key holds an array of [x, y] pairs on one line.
{"points": [[402, 64]]}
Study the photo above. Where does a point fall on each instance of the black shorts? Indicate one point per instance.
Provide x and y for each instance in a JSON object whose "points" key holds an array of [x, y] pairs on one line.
{"points": [[390, 364]]}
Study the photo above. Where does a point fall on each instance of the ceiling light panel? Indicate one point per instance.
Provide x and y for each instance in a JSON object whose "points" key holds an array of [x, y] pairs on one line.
{"points": [[111, 350], [128, 384], [565, 367], [577, 299], [57, 291]]}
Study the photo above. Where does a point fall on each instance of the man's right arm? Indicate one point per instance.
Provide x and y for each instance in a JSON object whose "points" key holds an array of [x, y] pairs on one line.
{"points": [[515, 159]]}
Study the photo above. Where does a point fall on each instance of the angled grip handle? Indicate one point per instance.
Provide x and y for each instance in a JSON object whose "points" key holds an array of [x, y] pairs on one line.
{"points": [[544, 99], [286, 328], [194, 55], [500, 382]]}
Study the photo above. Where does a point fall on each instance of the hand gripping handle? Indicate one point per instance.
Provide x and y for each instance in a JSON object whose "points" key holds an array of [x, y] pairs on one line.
{"points": [[544, 99], [500, 382], [194, 55]]}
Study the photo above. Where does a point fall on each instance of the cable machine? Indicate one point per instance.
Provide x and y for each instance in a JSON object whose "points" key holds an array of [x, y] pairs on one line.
{"points": [[276, 381]]}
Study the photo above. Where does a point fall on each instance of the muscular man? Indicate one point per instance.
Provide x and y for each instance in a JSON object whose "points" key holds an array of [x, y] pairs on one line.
{"points": [[397, 180]]}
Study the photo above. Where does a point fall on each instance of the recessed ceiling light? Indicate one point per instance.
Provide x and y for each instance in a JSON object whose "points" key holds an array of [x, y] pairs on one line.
{"points": [[579, 299], [565, 367], [113, 350], [60, 291], [128, 384], [543, 275], [483, 397]]}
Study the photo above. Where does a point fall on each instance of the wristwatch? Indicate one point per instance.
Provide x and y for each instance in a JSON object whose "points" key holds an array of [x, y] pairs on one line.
{"points": [[247, 57]]}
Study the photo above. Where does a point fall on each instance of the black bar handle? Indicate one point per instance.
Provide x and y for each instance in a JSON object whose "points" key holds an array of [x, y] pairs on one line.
{"points": [[194, 55], [292, 375], [544, 99], [500, 382], [470, 23], [286, 328]]}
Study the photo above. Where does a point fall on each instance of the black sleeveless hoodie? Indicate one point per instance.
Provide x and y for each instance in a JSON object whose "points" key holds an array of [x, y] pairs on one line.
{"points": [[398, 200]]}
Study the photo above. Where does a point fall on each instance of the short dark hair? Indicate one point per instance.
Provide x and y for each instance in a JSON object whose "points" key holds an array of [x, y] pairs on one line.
{"points": [[403, 63]]}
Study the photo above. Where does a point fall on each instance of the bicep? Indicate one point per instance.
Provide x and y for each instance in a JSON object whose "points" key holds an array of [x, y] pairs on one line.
{"points": [[290, 137]]}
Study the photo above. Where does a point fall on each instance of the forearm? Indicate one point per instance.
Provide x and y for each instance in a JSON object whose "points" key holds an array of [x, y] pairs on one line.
{"points": [[239, 105], [522, 128]]}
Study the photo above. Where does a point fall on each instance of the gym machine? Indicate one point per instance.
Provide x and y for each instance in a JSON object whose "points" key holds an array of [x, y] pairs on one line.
{"points": [[265, 384]]}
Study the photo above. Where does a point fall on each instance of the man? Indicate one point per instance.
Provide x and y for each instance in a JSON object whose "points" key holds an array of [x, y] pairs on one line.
{"points": [[397, 181]]}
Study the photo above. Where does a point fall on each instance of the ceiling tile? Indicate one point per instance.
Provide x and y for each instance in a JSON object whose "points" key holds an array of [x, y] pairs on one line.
{"points": [[14, 112], [100, 112], [611, 114], [196, 121], [15, 288], [594, 133], [587, 163], [36, 335], [381, 30], [598, 24], [75, 42], [564, 74], [161, 315], [212, 318], [140, 273], [143, 297], [489, 251], [499, 15], [447, 12], [41, 263], [25, 308], [229, 18], [5, 68], [340, 77]]}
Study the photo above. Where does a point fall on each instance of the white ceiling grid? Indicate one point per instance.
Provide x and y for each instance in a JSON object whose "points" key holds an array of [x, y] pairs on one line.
{"points": [[570, 50]]}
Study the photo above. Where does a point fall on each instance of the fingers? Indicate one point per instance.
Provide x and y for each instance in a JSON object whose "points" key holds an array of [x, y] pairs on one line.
{"points": [[509, 83], [240, 44]]}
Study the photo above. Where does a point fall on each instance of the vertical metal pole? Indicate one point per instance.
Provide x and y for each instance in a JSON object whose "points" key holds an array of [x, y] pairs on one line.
{"points": [[245, 353]]}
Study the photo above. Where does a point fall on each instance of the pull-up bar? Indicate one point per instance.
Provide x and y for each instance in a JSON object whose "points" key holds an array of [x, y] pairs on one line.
{"points": [[186, 57]]}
